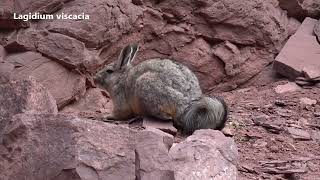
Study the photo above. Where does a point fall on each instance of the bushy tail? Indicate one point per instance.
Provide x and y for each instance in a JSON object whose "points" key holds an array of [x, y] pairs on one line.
{"points": [[205, 113]]}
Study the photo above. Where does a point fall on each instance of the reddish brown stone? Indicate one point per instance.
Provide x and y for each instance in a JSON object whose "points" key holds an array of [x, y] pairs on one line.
{"points": [[44, 146], [207, 154], [93, 103], [65, 86], [165, 126], [301, 9], [300, 52], [24, 96], [153, 160]]}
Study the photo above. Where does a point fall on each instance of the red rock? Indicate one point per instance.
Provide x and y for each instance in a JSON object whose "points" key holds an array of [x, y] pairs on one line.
{"points": [[301, 9], [65, 86], [286, 88], [23, 40], [231, 56], [165, 126], [63, 49], [24, 96], [299, 134], [7, 8], [257, 28], [45, 146], [197, 56], [93, 102], [207, 154], [308, 101], [5, 71], [317, 31], [153, 160], [108, 21], [301, 51], [67, 51], [311, 72]]}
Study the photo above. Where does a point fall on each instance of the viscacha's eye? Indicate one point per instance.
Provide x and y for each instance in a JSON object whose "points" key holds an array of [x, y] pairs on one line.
{"points": [[109, 71]]}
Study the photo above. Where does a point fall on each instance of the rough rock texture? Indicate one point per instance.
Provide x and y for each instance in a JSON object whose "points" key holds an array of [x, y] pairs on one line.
{"points": [[24, 96], [207, 154], [2, 53], [65, 86], [61, 48], [9, 7], [165, 126], [44, 146], [256, 29], [5, 71], [301, 9], [301, 53], [108, 21], [317, 30], [95, 101], [285, 88], [153, 160]]}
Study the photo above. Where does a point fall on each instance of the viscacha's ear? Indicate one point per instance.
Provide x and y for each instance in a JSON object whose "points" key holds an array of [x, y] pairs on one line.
{"points": [[127, 56]]}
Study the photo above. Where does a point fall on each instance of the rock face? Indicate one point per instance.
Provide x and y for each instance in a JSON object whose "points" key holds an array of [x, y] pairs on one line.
{"points": [[153, 160], [301, 9], [199, 25], [44, 146], [286, 88], [65, 86], [60, 48], [301, 53], [60, 146], [207, 154], [8, 8], [24, 96], [194, 35]]}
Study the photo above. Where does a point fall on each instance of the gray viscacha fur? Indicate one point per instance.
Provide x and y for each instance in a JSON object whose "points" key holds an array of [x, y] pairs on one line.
{"points": [[162, 89]]}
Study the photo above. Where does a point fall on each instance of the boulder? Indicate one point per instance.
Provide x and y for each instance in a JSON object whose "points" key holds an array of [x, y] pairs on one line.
{"points": [[301, 9], [46, 146], [300, 53], [64, 85], [61, 48], [95, 101], [152, 154], [108, 21], [24, 96], [68, 51], [207, 154]]}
